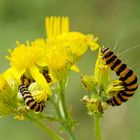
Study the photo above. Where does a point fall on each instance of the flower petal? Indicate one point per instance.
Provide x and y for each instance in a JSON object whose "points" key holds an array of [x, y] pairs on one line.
{"points": [[75, 68], [39, 78]]}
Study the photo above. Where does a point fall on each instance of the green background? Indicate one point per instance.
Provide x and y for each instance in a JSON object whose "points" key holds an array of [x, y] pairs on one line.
{"points": [[113, 21]]}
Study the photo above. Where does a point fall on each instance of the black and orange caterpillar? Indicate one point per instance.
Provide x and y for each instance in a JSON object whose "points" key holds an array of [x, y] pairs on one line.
{"points": [[126, 75], [28, 98]]}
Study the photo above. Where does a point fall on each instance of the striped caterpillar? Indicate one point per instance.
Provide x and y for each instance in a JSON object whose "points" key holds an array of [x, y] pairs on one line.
{"points": [[126, 75], [29, 100]]}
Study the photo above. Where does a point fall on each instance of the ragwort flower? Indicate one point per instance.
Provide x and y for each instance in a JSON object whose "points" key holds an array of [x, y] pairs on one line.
{"points": [[77, 43], [64, 48], [26, 59]]}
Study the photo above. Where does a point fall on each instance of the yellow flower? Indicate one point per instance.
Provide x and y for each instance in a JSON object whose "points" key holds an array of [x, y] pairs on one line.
{"points": [[57, 57], [26, 58], [65, 47], [27, 55], [39, 50], [78, 43], [57, 30], [57, 60], [102, 71]]}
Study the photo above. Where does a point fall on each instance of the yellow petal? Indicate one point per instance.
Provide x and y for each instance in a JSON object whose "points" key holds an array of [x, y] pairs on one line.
{"points": [[56, 26], [93, 45], [39, 78], [12, 73], [75, 68]]}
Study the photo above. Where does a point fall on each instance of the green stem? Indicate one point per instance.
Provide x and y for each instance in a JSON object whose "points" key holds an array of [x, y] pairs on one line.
{"points": [[63, 110], [50, 118], [55, 104], [51, 133], [97, 128], [62, 103], [100, 90], [71, 134]]}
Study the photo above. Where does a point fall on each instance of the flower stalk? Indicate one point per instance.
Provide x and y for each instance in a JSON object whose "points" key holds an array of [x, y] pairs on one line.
{"points": [[62, 102], [66, 122], [97, 128], [39, 123]]}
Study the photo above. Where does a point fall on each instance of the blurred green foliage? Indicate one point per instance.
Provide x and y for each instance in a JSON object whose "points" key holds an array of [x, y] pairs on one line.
{"points": [[113, 21]]}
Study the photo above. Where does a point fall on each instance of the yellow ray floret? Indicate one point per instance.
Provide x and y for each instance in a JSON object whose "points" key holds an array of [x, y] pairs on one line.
{"points": [[40, 79], [57, 57], [57, 29], [77, 42], [27, 57], [56, 26]]}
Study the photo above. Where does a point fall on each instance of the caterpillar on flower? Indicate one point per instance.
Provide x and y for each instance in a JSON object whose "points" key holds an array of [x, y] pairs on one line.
{"points": [[29, 100], [126, 75]]}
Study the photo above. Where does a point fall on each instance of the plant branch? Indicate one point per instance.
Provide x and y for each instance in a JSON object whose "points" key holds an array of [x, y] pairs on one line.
{"points": [[50, 132]]}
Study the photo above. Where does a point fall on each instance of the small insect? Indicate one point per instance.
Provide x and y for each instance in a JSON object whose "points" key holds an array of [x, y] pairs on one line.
{"points": [[126, 75], [29, 100]]}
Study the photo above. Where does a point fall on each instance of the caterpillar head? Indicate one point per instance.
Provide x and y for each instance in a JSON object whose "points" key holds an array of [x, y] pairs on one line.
{"points": [[104, 49]]}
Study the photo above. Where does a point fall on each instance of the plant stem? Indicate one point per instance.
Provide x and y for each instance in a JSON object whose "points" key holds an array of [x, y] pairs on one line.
{"points": [[62, 103], [51, 133], [50, 118], [63, 110], [97, 128], [71, 134]]}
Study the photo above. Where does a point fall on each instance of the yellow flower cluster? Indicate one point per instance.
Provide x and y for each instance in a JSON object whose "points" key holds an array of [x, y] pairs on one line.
{"points": [[58, 53]]}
